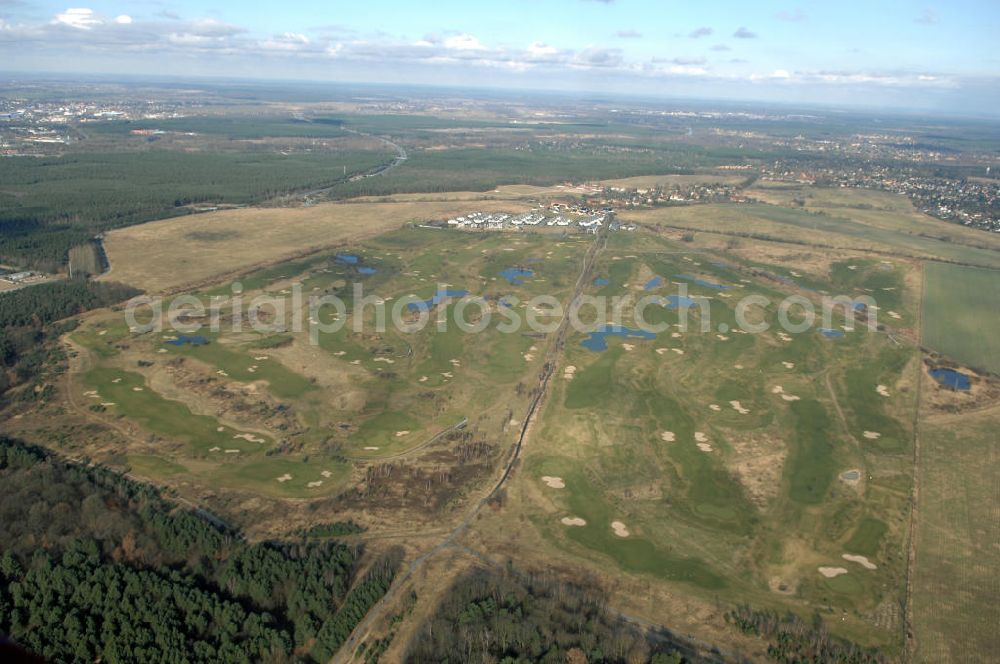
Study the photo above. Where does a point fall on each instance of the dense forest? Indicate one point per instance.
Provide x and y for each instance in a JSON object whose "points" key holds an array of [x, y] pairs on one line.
{"points": [[513, 618], [95, 566], [792, 640], [30, 323], [51, 204]]}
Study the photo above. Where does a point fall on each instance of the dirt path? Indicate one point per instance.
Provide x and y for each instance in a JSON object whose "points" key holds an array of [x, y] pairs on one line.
{"points": [[910, 643], [379, 610]]}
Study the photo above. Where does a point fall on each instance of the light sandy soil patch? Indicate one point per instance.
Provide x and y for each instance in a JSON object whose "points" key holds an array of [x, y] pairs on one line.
{"points": [[554, 482], [872, 435], [738, 407], [832, 572], [620, 529], [668, 436], [572, 521], [160, 255], [882, 390], [285, 478], [861, 560]]}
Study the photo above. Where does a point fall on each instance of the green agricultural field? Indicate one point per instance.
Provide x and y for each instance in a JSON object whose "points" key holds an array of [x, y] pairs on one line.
{"points": [[961, 315], [958, 541]]}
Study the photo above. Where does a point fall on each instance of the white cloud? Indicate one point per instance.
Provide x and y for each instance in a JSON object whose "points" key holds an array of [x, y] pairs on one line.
{"points": [[540, 50], [124, 19], [463, 42], [80, 18]]}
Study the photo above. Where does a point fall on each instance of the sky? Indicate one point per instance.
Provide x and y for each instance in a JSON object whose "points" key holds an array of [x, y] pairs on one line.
{"points": [[879, 53]]}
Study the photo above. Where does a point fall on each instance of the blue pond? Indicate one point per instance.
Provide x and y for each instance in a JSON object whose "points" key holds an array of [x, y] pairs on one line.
{"points": [[701, 282], [367, 270], [597, 340], [955, 380], [602, 281], [677, 302], [194, 340], [516, 275], [346, 259], [830, 334], [653, 283], [440, 296]]}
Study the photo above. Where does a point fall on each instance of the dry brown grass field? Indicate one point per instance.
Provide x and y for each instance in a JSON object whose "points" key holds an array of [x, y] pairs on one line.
{"points": [[166, 255]]}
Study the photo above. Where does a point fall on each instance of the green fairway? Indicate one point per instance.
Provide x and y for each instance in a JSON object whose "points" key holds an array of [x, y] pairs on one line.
{"points": [[961, 314], [126, 393]]}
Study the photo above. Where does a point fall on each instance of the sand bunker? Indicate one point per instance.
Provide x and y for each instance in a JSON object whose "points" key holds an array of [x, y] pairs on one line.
{"points": [[714, 406], [700, 437], [371, 449], [554, 482], [569, 372], [872, 435], [422, 379], [678, 351], [620, 529], [137, 389], [893, 314], [528, 357], [788, 365], [676, 335], [628, 346], [232, 451], [861, 560], [400, 434], [722, 337], [116, 380], [831, 572], [738, 407], [661, 351], [704, 447], [215, 449], [387, 360], [249, 437], [313, 485], [883, 390], [784, 336], [668, 436], [572, 521], [285, 478], [260, 358], [326, 473]]}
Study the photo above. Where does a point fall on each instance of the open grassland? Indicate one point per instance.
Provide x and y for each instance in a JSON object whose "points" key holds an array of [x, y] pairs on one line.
{"points": [[165, 255], [955, 583], [835, 229], [714, 460], [354, 393], [962, 314]]}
